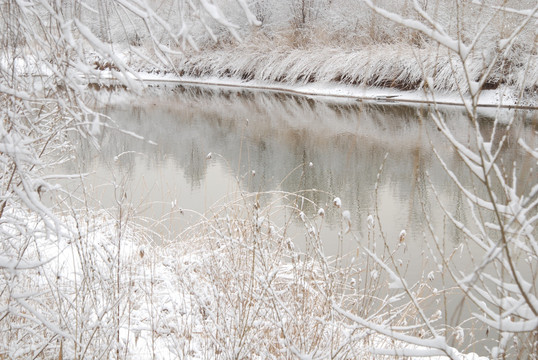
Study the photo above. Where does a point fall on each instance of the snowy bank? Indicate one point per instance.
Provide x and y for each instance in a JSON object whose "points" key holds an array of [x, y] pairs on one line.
{"points": [[372, 72], [498, 98], [368, 75], [231, 286]]}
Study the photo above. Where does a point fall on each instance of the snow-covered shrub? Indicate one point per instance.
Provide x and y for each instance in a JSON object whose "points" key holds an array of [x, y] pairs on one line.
{"points": [[49, 53], [503, 201], [236, 286], [372, 49]]}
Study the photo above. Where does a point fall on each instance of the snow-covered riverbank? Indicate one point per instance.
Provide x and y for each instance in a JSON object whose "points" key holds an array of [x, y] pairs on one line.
{"points": [[232, 286], [489, 98], [366, 75]]}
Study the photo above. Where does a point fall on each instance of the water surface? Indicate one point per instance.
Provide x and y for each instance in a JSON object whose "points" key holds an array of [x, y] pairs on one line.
{"points": [[262, 141], [203, 146]]}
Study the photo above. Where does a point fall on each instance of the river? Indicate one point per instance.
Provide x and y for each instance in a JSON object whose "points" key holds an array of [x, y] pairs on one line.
{"points": [[205, 146]]}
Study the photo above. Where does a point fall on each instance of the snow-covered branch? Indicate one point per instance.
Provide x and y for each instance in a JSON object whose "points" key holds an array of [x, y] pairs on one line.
{"points": [[436, 32]]}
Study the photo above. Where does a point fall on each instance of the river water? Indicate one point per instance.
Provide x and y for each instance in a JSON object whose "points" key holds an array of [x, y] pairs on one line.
{"points": [[202, 146], [260, 141]]}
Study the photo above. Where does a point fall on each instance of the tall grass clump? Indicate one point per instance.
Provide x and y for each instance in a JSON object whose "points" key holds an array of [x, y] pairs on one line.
{"points": [[343, 42], [235, 285]]}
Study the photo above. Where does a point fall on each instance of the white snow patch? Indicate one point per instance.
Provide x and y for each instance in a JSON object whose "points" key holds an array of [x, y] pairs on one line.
{"points": [[337, 202]]}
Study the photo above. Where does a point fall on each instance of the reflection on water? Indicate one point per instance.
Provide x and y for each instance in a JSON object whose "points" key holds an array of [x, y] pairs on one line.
{"points": [[265, 141], [262, 141]]}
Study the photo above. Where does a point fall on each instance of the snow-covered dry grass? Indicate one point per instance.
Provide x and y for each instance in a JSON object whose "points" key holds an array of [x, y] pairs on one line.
{"points": [[399, 67], [231, 286], [343, 42]]}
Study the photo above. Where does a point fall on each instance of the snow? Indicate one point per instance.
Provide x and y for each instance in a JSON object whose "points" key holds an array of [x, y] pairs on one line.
{"points": [[402, 235], [503, 43], [414, 346], [96, 126], [337, 202], [252, 20], [436, 33], [489, 100], [13, 265], [370, 222], [474, 87], [216, 13], [395, 282], [509, 325]]}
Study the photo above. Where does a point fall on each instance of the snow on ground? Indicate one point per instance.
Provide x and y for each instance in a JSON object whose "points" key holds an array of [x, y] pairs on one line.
{"points": [[502, 97], [498, 98], [201, 297]]}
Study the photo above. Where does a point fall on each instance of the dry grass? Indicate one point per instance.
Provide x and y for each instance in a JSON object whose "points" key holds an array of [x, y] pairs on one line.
{"points": [[234, 285], [351, 45]]}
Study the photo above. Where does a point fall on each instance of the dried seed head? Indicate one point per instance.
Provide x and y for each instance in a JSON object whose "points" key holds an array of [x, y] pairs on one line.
{"points": [[337, 202]]}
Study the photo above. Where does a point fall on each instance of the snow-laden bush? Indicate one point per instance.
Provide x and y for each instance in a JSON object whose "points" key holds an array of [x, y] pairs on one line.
{"points": [[48, 54], [503, 201], [231, 286]]}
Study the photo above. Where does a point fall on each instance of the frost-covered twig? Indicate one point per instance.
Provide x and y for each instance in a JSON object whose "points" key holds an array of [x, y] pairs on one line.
{"points": [[436, 33]]}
